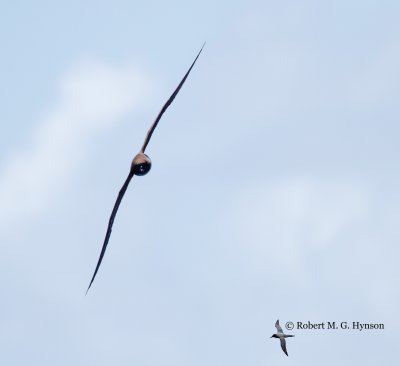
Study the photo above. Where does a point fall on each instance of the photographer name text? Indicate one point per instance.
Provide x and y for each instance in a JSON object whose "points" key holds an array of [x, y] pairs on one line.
{"points": [[355, 325]]}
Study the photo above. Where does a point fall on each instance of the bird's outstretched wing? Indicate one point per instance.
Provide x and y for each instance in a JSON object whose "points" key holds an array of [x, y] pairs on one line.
{"points": [[110, 225], [278, 327], [167, 104], [131, 173], [283, 345]]}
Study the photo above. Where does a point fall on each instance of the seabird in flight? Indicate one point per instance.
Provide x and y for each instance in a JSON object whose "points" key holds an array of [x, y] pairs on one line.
{"points": [[140, 165], [281, 336]]}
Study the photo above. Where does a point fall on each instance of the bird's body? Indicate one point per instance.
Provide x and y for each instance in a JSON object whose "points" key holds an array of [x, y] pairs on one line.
{"points": [[279, 334], [141, 165]]}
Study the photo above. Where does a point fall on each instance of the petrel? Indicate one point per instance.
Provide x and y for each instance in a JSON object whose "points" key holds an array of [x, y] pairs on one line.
{"points": [[281, 336], [140, 165]]}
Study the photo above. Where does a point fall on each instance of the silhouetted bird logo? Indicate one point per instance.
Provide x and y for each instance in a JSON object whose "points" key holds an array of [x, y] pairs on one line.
{"points": [[141, 165], [279, 334]]}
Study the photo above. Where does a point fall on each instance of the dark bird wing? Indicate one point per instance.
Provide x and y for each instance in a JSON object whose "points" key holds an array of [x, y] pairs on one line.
{"points": [[278, 327], [167, 104], [125, 186], [283, 345], [110, 225]]}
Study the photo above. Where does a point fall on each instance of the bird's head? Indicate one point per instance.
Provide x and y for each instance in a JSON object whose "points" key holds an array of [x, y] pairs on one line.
{"points": [[141, 164], [274, 336]]}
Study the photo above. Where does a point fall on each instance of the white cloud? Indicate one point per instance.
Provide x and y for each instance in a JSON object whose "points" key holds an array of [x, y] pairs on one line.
{"points": [[288, 219], [92, 97], [314, 233]]}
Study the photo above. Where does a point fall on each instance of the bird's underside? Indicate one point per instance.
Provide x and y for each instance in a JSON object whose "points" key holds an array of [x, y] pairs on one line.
{"points": [[141, 165], [281, 336]]}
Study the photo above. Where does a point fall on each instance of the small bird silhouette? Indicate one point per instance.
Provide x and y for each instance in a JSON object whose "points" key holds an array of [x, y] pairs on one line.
{"points": [[141, 165], [281, 336]]}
